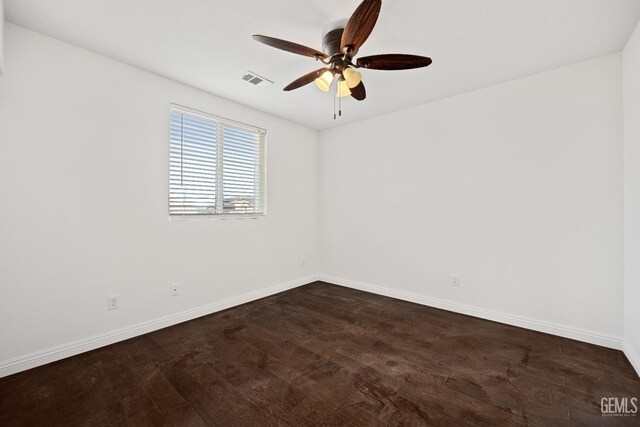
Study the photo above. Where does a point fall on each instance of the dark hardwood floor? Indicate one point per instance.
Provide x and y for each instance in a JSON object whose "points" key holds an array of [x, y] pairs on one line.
{"points": [[326, 355]]}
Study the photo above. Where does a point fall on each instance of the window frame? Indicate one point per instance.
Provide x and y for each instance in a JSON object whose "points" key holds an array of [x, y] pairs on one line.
{"points": [[261, 163]]}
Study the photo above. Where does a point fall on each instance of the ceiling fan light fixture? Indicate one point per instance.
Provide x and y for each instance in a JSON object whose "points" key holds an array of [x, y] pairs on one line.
{"points": [[324, 81], [341, 43], [352, 77], [343, 88]]}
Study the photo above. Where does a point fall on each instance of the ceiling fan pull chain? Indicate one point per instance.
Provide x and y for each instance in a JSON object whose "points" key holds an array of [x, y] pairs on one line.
{"points": [[334, 103], [340, 107]]}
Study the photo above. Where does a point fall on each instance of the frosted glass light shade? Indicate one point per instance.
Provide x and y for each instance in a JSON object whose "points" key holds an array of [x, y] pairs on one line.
{"points": [[324, 81], [343, 89], [352, 77]]}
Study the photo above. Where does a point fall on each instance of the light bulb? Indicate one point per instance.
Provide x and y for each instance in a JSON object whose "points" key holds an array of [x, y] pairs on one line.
{"points": [[324, 81], [343, 89], [352, 77]]}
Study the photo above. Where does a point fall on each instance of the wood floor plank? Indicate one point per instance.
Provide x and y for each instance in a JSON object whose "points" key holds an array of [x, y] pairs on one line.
{"points": [[327, 355]]}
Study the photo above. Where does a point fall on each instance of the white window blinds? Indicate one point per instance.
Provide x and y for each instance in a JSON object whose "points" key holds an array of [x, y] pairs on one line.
{"points": [[216, 166]]}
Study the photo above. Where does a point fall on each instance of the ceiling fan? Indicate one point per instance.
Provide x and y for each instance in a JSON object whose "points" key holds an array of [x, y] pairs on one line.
{"points": [[339, 48]]}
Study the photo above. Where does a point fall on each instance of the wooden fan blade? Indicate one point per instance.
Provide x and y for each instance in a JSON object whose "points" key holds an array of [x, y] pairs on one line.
{"points": [[360, 25], [359, 92], [394, 61], [289, 46], [305, 80]]}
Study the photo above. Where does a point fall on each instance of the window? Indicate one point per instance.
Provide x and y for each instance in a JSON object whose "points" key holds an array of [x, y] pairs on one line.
{"points": [[216, 166]]}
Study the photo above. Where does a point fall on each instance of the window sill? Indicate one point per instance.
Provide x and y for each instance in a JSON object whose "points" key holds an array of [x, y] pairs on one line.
{"points": [[187, 218]]}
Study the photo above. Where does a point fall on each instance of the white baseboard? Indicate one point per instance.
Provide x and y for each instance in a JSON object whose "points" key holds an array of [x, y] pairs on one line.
{"points": [[496, 316], [632, 355], [28, 361], [32, 360]]}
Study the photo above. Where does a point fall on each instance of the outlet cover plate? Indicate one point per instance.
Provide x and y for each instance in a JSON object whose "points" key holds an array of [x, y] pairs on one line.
{"points": [[455, 280], [113, 302]]}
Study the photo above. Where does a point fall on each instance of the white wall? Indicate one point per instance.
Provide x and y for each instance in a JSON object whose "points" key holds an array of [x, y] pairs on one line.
{"points": [[631, 85], [517, 188], [1, 35], [83, 208]]}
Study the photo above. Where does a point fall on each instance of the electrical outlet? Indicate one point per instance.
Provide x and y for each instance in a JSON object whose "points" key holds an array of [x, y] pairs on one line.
{"points": [[113, 302], [455, 280], [175, 290]]}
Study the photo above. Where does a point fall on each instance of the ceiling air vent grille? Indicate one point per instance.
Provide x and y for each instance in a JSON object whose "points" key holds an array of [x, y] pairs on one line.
{"points": [[255, 79]]}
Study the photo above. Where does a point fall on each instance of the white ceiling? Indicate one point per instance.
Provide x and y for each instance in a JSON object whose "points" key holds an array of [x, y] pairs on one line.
{"points": [[207, 44]]}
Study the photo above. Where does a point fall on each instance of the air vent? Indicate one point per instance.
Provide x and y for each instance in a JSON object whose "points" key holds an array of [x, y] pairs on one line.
{"points": [[255, 79]]}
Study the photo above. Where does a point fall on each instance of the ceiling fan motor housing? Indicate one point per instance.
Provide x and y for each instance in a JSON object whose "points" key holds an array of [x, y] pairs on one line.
{"points": [[331, 41]]}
